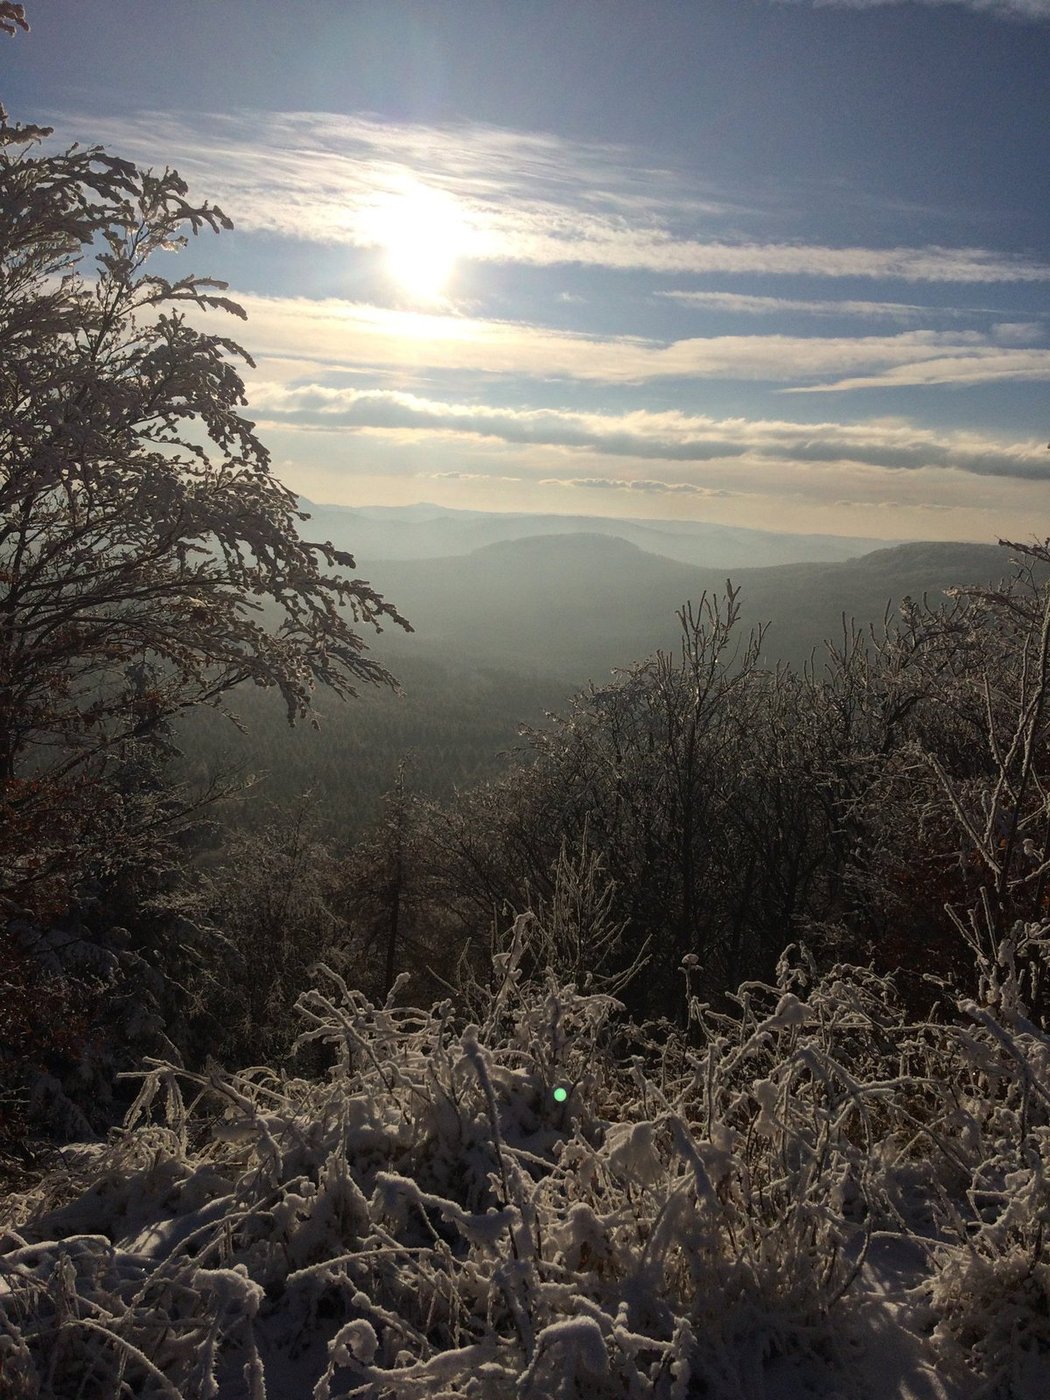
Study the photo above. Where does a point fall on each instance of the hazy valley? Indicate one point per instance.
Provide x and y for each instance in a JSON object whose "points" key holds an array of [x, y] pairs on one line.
{"points": [[513, 628]]}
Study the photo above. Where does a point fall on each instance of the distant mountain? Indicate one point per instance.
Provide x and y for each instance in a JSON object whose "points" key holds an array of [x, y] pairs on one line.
{"points": [[435, 532], [579, 605], [805, 603], [571, 605], [511, 630]]}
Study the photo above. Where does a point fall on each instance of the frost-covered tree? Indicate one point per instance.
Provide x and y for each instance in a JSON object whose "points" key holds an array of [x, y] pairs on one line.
{"points": [[149, 561]]}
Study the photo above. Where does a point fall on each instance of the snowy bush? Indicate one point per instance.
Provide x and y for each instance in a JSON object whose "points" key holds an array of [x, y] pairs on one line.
{"points": [[430, 1219], [990, 1290]]}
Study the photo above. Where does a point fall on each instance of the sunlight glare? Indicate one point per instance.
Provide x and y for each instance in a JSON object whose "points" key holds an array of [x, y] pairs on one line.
{"points": [[422, 233]]}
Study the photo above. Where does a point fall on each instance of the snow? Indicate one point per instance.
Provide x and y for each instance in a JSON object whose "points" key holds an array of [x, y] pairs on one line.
{"points": [[817, 1198], [630, 1152]]}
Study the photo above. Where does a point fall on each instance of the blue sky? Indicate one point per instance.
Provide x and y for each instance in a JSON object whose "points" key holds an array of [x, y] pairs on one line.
{"points": [[775, 263]]}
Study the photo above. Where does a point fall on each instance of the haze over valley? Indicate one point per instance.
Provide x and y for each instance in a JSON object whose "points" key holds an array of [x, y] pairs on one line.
{"points": [[575, 597], [513, 628], [428, 531]]}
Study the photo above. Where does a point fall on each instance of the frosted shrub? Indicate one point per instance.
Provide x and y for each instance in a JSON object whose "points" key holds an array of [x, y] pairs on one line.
{"points": [[990, 1290], [991, 1297], [80, 1317], [429, 1219]]}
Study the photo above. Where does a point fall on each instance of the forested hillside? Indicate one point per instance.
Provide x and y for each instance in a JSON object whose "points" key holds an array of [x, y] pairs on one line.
{"points": [[452, 724], [581, 605], [495, 649]]}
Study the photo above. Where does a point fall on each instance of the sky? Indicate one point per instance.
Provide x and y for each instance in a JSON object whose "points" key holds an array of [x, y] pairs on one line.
{"points": [[773, 263]]}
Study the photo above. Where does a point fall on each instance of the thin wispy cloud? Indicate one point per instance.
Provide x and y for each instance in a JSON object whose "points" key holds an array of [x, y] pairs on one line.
{"points": [[1015, 366], [740, 303], [668, 436], [644, 487], [324, 177], [352, 334], [522, 197], [465, 476], [892, 505], [1006, 9]]}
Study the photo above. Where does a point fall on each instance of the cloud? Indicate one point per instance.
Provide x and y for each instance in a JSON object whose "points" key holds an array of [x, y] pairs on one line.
{"points": [[668, 436], [1020, 332], [649, 488], [739, 303], [893, 505], [522, 197], [351, 334], [988, 368], [1007, 9], [927, 264], [464, 476]]}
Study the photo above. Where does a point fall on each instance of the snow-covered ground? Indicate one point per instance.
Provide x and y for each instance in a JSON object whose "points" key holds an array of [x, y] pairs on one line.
{"points": [[812, 1197]]}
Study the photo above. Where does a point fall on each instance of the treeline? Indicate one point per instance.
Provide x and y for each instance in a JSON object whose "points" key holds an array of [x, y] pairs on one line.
{"points": [[700, 807], [696, 809]]}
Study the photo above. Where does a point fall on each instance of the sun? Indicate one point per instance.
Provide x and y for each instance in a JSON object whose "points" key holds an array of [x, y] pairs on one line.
{"points": [[421, 231]]}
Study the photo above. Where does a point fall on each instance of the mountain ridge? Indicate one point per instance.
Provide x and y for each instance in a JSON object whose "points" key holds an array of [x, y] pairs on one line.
{"points": [[430, 531], [581, 605]]}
